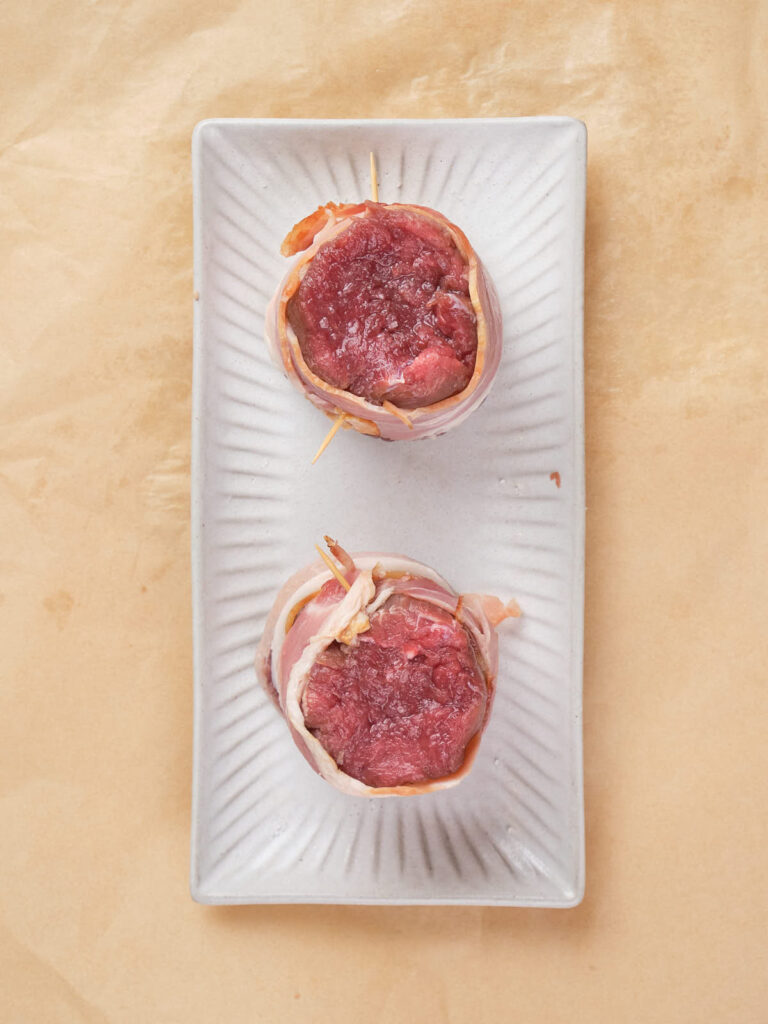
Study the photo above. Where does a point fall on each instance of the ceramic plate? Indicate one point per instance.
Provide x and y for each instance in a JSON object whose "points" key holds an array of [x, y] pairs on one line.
{"points": [[496, 505]]}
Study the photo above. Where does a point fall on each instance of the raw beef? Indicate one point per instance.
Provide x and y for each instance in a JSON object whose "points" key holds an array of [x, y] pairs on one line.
{"points": [[383, 311], [386, 686], [388, 317]]}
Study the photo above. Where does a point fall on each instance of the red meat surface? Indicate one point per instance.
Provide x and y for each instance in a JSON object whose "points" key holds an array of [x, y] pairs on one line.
{"points": [[401, 705], [383, 311]]}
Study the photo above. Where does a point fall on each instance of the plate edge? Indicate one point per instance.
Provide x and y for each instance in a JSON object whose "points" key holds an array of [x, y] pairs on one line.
{"points": [[197, 888]]}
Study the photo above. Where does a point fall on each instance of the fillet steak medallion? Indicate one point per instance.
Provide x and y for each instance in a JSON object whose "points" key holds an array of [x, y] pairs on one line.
{"points": [[387, 318], [384, 674]]}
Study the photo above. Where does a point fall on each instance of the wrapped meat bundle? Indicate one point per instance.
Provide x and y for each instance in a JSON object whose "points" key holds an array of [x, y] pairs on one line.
{"points": [[387, 318], [383, 673]]}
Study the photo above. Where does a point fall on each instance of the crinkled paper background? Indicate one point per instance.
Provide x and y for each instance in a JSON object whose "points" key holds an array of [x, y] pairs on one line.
{"points": [[99, 102]]}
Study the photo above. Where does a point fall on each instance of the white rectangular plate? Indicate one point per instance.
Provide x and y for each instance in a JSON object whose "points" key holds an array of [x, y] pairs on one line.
{"points": [[479, 504]]}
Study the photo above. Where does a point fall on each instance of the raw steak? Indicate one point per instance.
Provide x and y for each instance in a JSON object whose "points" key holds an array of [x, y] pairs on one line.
{"points": [[388, 317], [384, 311], [386, 686]]}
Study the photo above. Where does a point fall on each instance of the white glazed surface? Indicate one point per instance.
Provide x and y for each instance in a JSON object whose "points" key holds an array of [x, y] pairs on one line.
{"points": [[477, 504]]}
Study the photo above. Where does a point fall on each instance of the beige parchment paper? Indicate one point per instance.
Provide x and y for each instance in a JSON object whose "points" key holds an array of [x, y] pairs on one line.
{"points": [[99, 101]]}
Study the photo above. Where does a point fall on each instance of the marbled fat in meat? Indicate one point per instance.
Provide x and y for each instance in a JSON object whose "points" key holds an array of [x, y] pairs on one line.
{"points": [[383, 311]]}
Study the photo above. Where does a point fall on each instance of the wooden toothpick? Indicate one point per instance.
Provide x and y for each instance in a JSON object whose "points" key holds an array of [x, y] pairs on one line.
{"points": [[328, 561], [374, 180], [397, 412], [330, 435]]}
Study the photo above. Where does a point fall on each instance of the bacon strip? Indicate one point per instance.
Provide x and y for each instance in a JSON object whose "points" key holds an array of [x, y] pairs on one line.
{"points": [[292, 642]]}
